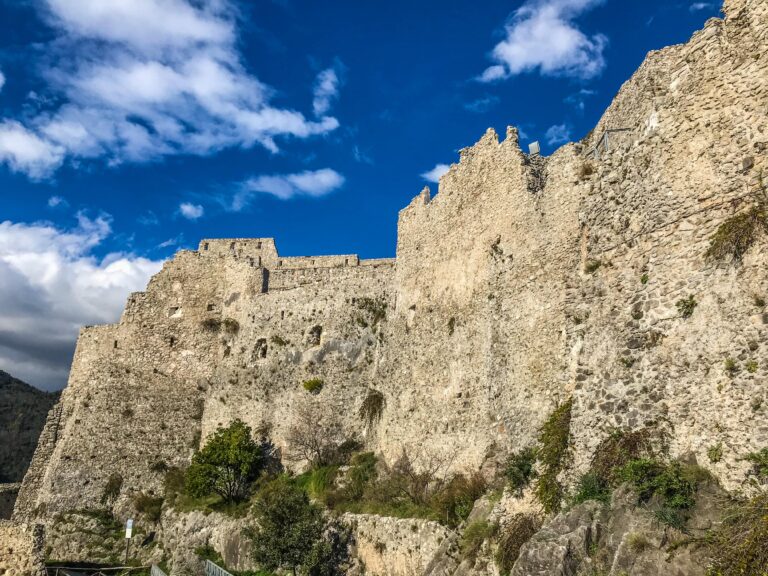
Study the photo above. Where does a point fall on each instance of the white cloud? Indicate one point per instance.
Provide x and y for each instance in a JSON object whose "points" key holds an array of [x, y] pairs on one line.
{"points": [[142, 79], [57, 201], [325, 92], [24, 151], [558, 134], [51, 284], [698, 6], [313, 183], [191, 211], [542, 35], [436, 172], [2, 80], [579, 99]]}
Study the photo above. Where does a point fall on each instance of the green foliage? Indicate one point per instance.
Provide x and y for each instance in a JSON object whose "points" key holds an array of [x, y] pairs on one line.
{"points": [[737, 234], [686, 306], [644, 279], [715, 453], [739, 546], [591, 487], [208, 552], [638, 543], [318, 482], [111, 489], [759, 462], [553, 441], [150, 506], [730, 366], [519, 469], [231, 326], [313, 385], [673, 485], [752, 366], [372, 408], [454, 502], [473, 537], [375, 308], [211, 324], [617, 449], [519, 529], [592, 266], [226, 465], [288, 527]]}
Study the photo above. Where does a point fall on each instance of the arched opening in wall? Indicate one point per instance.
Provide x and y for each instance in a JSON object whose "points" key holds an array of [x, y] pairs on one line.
{"points": [[264, 280], [260, 349], [258, 245], [314, 335]]}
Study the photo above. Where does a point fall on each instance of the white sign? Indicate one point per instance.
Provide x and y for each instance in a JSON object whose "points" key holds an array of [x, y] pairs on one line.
{"points": [[129, 528]]}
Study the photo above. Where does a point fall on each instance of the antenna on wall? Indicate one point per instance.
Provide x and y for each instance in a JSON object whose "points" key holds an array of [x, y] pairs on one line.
{"points": [[534, 148]]}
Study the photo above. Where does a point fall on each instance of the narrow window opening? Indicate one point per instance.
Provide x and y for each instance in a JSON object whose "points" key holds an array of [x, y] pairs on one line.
{"points": [[205, 246], [211, 307], [115, 344]]}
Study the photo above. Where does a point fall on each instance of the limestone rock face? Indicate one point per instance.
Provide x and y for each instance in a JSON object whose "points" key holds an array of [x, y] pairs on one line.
{"points": [[22, 415], [523, 282]]}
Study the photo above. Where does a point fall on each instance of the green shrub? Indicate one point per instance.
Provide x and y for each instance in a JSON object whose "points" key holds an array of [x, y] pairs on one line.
{"points": [[473, 537], [751, 366], [737, 234], [638, 543], [372, 408], [553, 439], [376, 309], [686, 306], [148, 505], [362, 472], [644, 279], [519, 529], [231, 326], [211, 324], [519, 469], [226, 465], [739, 546], [208, 552], [673, 484], [730, 366], [591, 487], [111, 489], [455, 501], [313, 385], [759, 462], [288, 527], [715, 453], [617, 449], [592, 266]]}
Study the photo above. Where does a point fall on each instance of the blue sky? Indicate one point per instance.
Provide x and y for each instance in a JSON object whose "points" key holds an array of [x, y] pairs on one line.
{"points": [[132, 128]]}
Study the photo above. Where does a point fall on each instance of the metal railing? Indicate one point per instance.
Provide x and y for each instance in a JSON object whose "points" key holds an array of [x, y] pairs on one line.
{"points": [[212, 569], [156, 571], [604, 141]]}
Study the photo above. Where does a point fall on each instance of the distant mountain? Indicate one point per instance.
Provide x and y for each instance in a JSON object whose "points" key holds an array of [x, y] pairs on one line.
{"points": [[23, 410]]}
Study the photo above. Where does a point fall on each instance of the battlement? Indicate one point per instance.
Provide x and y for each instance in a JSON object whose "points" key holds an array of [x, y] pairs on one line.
{"points": [[262, 252]]}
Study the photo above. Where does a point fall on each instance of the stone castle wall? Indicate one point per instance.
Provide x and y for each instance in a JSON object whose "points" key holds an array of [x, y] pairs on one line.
{"points": [[21, 549], [523, 282]]}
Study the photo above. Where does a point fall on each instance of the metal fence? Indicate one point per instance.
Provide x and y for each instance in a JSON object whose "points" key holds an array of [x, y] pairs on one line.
{"points": [[212, 569]]}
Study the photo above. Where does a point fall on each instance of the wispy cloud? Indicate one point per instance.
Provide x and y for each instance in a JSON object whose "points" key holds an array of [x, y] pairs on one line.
{"points": [[542, 35], [57, 202], [137, 81], [191, 211], [482, 104], [558, 134], [579, 99], [148, 219], [2, 80], [699, 6], [326, 91], [51, 284], [435, 173], [311, 183]]}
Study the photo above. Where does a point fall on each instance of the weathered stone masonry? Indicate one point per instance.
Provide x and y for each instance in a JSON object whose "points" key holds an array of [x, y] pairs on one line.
{"points": [[522, 282]]}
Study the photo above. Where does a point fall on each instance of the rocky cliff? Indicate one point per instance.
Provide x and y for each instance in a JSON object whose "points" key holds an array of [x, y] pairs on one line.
{"points": [[523, 283], [23, 410]]}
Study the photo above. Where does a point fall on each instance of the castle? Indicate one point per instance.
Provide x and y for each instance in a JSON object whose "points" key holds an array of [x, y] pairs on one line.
{"points": [[523, 282]]}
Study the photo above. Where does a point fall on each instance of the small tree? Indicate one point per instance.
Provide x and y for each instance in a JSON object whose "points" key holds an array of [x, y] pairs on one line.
{"points": [[318, 437], [226, 465], [289, 528]]}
